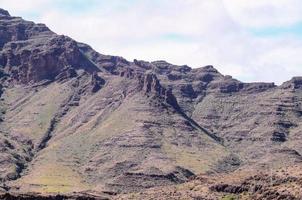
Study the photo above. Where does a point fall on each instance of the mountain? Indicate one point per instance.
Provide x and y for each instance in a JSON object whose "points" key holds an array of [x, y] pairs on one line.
{"points": [[86, 125]]}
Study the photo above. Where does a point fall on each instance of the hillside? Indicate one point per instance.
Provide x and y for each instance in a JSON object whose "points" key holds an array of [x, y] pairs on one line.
{"points": [[74, 121]]}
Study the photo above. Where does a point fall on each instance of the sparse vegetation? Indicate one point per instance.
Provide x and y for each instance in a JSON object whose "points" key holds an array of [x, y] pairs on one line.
{"points": [[230, 197]]}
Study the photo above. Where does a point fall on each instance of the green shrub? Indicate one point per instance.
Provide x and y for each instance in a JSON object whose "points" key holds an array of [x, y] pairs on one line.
{"points": [[230, 197]]}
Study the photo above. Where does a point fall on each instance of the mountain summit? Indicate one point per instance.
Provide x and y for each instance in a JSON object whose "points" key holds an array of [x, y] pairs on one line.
{"points": [[77, 122]]}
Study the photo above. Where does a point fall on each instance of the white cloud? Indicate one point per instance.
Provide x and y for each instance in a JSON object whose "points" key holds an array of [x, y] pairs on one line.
{"points": [[21, 7], [193, 32], [265, 13]]}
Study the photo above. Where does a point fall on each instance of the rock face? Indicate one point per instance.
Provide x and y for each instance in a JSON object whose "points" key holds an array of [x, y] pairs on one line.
{"points": [[74, 120]]}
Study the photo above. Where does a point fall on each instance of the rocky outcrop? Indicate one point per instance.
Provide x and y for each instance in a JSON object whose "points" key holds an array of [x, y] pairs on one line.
{"points": [[150, 85], [294, 83], [31, 52], [257, 87], [278, 137], [96, 83], [30, 62], [262, 186], [66, 74], [4, 12], [14, 29], [229, 188], [229, 85]]}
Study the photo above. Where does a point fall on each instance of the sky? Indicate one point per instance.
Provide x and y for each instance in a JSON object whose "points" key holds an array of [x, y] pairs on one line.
{"points": [[252, 40]]}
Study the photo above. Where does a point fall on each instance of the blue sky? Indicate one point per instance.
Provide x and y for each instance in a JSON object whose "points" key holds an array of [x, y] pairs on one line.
{"points": [[250, 40], [295, 30]]}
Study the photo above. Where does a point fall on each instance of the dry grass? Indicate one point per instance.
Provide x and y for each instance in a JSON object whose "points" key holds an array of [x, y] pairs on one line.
{"points": [[34, 110], [193, 158], [54, 178]]}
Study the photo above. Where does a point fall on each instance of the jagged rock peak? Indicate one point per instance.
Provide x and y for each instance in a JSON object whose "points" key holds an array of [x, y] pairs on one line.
{"points": [[4, 12], [151, 83]]}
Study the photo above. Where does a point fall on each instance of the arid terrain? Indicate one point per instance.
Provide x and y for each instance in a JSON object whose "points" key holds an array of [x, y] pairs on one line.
{"points": [[77, 124], [278, 184]]}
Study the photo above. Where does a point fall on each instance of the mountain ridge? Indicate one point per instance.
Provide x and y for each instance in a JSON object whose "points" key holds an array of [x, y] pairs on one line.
{"points": [[76, 121]]}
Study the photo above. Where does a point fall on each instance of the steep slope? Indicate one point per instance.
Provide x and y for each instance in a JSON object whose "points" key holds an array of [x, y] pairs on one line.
{"points": [[76, 121]]}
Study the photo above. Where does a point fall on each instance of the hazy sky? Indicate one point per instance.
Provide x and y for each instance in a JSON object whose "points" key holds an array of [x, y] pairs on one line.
{"points": [[252, 40]]}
